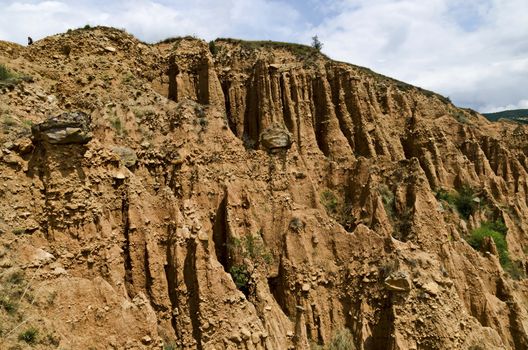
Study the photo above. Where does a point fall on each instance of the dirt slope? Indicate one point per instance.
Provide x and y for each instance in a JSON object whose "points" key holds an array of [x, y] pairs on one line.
{"points": [[249, 195]]}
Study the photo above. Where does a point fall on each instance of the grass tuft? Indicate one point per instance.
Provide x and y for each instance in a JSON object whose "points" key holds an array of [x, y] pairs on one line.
{"points": [[29, 335]]}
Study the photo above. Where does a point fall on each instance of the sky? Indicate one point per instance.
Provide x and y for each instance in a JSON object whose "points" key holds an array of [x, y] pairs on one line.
{"points": [[473, 51]]}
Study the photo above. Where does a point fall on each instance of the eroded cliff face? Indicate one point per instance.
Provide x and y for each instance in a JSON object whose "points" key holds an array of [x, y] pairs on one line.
{"points": [[260, 196]]}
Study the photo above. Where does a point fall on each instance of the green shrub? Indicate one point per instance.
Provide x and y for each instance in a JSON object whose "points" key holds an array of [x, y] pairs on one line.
{"points": [[250, 247], [240, 275], [296, 224], [342, 340], [10, 78], [498, 225], [329, 201], [489, 229], [117, 125], [387, 196], [444, 195], [8, 305], [5, 73], [29, 335], [465, 203], [213, 48], [19, 231], [16, 277]]}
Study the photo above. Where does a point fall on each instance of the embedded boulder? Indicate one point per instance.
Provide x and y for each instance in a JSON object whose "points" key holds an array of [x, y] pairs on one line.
{"points": [[398, 281], [66, 128], [275, 137]]}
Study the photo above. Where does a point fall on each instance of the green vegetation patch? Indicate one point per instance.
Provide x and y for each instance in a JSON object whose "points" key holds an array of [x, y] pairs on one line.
{"points": [[497, 231], [240, 275], [329, 201], [250, 247], [5, 73], [342, 340], [29, 335], [464, 201], [11, 78]]}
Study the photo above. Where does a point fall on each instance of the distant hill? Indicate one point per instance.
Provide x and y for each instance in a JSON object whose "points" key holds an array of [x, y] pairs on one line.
{"points": [[519, 115]]}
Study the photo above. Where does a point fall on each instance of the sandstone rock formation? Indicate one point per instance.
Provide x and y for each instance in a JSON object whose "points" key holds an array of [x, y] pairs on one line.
{"points": [[142, 206]]}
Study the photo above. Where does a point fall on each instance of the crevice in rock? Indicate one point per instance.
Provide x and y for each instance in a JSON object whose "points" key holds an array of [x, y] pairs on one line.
{"points": [[316, 318], [191, 281], [279, 289], [173, 73], [251, 115], [345, 123], [37, 166], [203, 93], [321, 117], [227, 102], [501, 292], [129, 282], [381, 338], [349, 309], [149, 281], [294, 94], [171, 274], [286, 113], [520, 340], [220, 237], [353, 106]]}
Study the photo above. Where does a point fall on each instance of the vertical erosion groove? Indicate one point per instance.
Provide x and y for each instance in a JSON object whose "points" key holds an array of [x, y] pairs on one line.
{"points": [[286, 111], [279, 289], [203, 83], [173, 73], [232, 123], [149, 282], [220, 234], [341, 111], [191, 282], [353, 106], [382, 331], [321, 116], [171, 274], [129, 283], [251, 116]]}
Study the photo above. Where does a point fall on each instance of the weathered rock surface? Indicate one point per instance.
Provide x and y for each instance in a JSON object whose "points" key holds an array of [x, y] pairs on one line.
{"points": [[398, 281], [159, 217], [275, 138], [67, 128]]}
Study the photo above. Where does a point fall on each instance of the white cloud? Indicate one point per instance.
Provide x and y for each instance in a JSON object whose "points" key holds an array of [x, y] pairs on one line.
{"points": [[522, 104], [474, 51]]}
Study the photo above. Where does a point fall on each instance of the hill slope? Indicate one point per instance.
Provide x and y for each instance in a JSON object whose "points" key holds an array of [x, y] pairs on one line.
{"points": [[250, 196], [518, 115]]}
